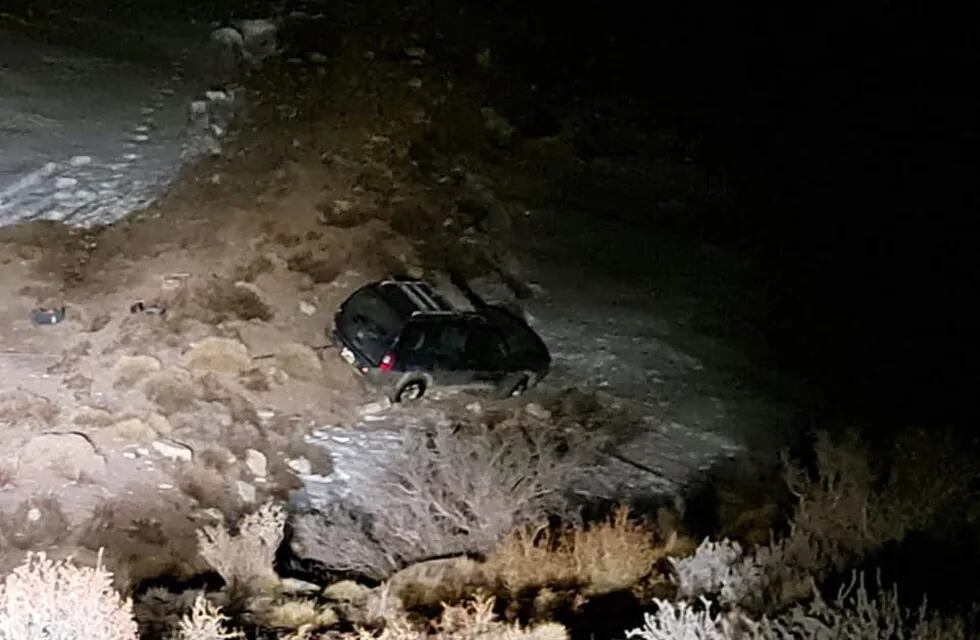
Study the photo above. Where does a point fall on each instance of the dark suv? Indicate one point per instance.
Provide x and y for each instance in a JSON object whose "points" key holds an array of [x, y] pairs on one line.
{"points": [[406, 338]]}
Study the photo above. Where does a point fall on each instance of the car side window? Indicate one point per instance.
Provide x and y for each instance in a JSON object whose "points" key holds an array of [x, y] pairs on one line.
{"points": [[485, 349], [451, 343], [428, 343], [415, 344]]}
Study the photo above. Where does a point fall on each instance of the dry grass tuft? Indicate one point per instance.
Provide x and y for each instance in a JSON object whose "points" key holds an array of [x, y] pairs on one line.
{"points": [[472, 621], [299, 614], [320, 270], [609, 556], [245, 558], [205, 622], [223, 301]]}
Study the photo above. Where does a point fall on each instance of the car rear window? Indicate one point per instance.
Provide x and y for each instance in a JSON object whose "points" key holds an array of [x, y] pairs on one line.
{"points": [[370, 324]]}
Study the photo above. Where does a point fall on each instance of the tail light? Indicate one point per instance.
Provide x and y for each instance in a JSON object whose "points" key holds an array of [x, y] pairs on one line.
{"points": [[387, 362]]}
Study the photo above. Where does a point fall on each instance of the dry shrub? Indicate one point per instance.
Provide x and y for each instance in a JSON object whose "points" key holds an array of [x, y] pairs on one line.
{"points": [[207, 486], [451, 492], [250, 271], [205, 622], [846, 511], [320, 270], [854, 613], [173, 390], [46, 600], [246, 557], [600, 558], [433, 582], [27, 409], [223, 301], [531, 558], [473, 621], [298, 614], [38, 522]]}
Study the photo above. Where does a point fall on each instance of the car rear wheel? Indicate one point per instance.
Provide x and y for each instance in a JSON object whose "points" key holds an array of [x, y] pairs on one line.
{"points": [[411, 390]]}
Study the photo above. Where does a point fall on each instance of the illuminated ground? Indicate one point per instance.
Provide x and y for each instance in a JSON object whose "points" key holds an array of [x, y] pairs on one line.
{"points": [[89, 134], [340, 173]]}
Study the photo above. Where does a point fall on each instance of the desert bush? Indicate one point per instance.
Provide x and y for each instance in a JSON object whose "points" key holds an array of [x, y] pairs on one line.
{"points": [[472, 621], [854, 614], [246, 557], [450, 492], [844, 512], [600, 558], [46, 600], [205, 622]]}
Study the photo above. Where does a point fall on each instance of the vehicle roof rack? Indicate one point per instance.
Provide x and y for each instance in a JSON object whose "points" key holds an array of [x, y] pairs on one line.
{"points": [[422, 295]]}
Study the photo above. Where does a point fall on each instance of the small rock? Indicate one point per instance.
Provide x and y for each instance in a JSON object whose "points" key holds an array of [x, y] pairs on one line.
{"points": [[416, 53], [142, 451], [65, 183], [306, 308], [265, 414], [346, 591], [536, 411], [160, 424], [198, 108], [373, 408], [130, 455], [34, 514], [295, 586], [173, 281], [318, 58], [275, 375], [475, 408], [256, 463], [415, 83], [213, 514], [165, 487], [246, 492], [173, 450], [300, 466], [80, 161], [483, 59]]}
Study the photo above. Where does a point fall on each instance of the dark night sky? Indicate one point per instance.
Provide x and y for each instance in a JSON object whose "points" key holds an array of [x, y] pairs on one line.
{"points": [[850, 132]]}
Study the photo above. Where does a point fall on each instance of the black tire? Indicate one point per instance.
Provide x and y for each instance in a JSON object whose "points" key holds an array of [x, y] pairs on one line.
{"points": [[516, 386], [411, 390]]}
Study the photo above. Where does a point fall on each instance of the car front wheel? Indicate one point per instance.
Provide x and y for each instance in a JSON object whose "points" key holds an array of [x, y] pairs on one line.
{"points": [[515, 386], [411, 390]]}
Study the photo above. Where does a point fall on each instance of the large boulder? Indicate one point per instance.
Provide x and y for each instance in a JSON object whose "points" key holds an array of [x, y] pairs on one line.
{"points": [[70, 454]]}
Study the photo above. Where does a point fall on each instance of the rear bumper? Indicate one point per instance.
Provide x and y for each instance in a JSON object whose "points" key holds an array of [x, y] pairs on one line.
{"points": [[360, 364], [373, 378]]}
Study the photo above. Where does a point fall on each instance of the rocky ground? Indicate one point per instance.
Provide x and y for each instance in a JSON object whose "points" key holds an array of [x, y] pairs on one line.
{"points": [[192, 378]]}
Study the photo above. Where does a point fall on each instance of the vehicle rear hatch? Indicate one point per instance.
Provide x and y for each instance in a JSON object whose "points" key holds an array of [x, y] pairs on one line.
{"points": [[373, 317]]}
